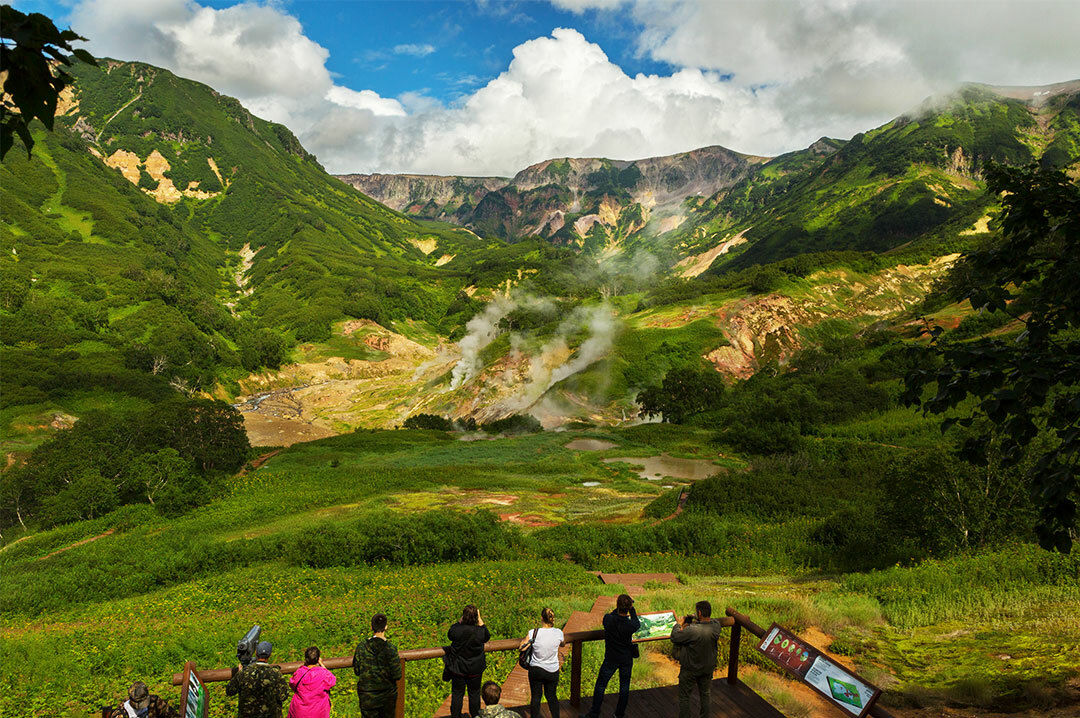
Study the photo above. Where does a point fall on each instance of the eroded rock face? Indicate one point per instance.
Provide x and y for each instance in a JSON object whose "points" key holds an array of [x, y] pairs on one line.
{"points": [[562, 199]]}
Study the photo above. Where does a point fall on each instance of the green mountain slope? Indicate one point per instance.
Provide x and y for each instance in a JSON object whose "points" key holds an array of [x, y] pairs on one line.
{"points": [[915, 181], [164, 235]]}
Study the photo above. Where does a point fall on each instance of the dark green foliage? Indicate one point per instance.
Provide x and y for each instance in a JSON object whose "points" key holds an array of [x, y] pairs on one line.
{"points": [[663, 505], [513, 424], [33, 62], [431, 537], [684, 392], [165, 453], [428, 421], [1027, 387]]}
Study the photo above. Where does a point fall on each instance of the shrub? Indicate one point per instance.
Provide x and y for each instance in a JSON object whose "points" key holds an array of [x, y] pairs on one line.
{"points": [[514, 424], [428, 421]]}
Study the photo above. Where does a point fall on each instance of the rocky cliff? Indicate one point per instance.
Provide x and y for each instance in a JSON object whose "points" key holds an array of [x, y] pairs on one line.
{"points": [[584, 202]]}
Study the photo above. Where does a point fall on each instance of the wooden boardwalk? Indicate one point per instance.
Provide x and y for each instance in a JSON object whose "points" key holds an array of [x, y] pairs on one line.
{"points": [[726, 701]]}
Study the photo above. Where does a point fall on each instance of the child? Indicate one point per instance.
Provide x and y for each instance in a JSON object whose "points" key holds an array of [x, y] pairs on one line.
{"points": [[491, 694]]}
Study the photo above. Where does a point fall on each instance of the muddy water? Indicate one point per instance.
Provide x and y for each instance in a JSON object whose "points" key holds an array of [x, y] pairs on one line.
{"points": [[591, 445], [655, 468]]}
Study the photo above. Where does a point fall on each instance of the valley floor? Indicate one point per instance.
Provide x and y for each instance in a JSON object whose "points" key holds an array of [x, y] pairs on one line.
{"points": [[90, 607]]}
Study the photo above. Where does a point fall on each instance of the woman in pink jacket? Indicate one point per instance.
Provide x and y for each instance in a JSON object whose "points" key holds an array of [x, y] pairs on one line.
{"points": [[311, 686]]}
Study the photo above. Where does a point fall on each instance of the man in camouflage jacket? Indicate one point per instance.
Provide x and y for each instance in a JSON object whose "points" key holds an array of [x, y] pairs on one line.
{"points": [[261, 686], [378, 670], [141, 703]]}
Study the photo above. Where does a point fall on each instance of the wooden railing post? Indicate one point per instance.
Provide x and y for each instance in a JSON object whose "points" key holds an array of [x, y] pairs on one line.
{"points": [[575, 674], [733, 657], [399, 709]]}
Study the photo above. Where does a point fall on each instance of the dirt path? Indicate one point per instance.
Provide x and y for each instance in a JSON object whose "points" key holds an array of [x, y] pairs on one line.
{"points": [[77, 543], [257, 463], [98, 138]]}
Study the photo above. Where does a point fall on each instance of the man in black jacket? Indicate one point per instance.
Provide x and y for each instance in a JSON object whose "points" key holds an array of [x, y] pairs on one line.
{"points": [[695, 646], [619, 654]]}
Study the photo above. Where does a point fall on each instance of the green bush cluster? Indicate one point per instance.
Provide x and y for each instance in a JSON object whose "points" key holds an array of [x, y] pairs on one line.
{"points": [[431, 537]]}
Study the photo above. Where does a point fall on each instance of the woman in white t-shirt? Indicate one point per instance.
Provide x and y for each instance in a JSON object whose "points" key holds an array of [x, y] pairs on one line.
{"points": [[544, 663]]}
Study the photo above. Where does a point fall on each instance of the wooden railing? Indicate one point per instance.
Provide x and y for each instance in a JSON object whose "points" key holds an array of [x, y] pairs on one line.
{"points": [[575, 639], [742, 621], [735, 620]]}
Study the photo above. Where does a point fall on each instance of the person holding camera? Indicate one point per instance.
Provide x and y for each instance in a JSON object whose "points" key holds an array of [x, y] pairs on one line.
{"points": [[544, 663], [261, 687], [695, 639], [378, 670], [465, 660], [311, 684], [619, 653]]}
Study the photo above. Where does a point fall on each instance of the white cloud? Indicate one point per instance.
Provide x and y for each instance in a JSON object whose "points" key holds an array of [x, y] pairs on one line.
{"points": [[841, 66], [759, 77], [416, 50]]}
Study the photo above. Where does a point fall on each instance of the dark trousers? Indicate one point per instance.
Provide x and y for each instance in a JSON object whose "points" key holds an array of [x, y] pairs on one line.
{"points": [[607, 670], [378, 708], [547, 683], [686, 687], [458, 684]]}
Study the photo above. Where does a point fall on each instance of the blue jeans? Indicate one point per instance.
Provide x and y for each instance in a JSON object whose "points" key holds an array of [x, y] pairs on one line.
{"points": [[607, 670]]}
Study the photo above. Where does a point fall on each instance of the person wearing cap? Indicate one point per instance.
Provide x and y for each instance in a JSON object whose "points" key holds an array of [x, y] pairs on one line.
{"points": [[378, 670], [261, 687], [619, 653], [141, 703]]}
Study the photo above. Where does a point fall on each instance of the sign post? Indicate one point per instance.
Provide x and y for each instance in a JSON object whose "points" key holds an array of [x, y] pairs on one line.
{"points": [[842, 688], [194, 701]]}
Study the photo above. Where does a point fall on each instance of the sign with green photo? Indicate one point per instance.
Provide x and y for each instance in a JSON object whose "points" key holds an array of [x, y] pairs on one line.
{"points": [[655, 625]]}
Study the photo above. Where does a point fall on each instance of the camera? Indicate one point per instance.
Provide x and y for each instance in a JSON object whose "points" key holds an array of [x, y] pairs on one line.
{"points": [[245, 647], [689, 618]]}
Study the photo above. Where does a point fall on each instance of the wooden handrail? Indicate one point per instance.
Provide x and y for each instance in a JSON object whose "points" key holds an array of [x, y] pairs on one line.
{"points": [[743, 621], [412, 654]]}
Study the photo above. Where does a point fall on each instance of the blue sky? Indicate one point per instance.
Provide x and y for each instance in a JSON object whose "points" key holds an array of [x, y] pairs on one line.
{"points": [[439, 48], [480, 87]]}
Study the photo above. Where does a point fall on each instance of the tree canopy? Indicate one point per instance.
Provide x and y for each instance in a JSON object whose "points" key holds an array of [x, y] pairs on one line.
{"points": [[1029, 388]]}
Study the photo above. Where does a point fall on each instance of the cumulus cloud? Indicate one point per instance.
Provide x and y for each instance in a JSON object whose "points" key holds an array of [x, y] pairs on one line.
{"points": [[758, 77]]}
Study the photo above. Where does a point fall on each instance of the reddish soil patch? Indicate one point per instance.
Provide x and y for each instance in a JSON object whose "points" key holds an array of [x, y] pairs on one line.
{"points": [[77, 543], [257, 463], [529, 520]]}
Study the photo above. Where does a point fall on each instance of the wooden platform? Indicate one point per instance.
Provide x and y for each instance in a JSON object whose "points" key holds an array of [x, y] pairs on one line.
{"points": [[726, 701]]}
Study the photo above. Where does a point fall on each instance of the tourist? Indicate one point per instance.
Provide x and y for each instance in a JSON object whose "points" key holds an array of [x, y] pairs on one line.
{"points": [[544, 663], [261, 687], [619, 654], [492, 693], [695, 646], [141, 703], [311, 686], [465, 660], [378, 670]]}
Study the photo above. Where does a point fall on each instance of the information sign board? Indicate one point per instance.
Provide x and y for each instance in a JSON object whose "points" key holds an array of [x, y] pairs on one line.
{"points": [[844, 689], [655, 626], [194, 701]]}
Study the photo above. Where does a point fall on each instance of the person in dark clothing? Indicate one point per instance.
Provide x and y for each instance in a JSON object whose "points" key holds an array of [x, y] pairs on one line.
{"points": [[141, 703], [695, 646], [619, 654], [465, 660], [378, 670], [261, 687]]}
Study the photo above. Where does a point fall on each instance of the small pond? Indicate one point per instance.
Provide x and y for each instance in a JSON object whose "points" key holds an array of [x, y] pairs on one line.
{"points": [[591, 445], [655, 468]]}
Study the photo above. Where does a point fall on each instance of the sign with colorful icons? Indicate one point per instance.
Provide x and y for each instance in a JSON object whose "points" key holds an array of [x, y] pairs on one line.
{"points": [[844, 689]]}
